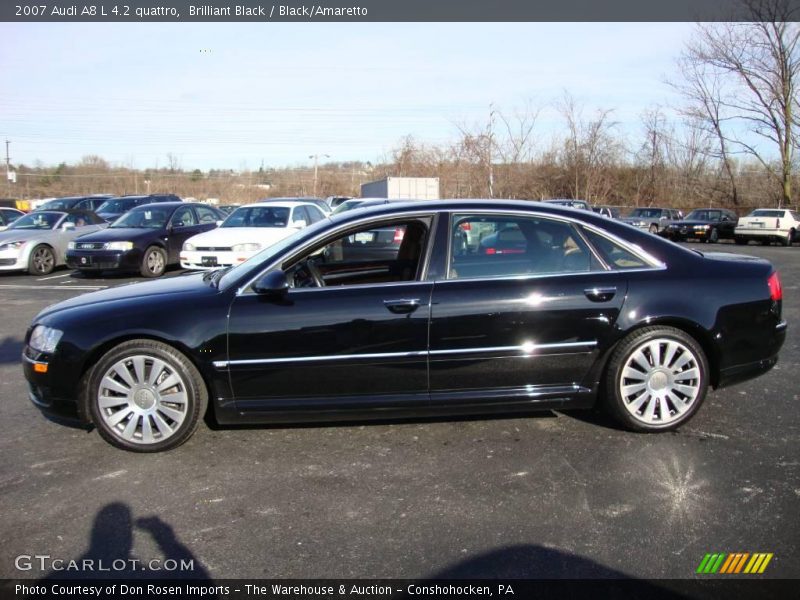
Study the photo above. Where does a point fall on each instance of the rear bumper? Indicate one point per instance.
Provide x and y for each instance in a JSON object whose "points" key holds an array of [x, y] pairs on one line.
{"points": [[743, 372], [103, 261]]}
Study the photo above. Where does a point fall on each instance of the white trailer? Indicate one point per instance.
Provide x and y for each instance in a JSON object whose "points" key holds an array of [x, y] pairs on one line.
{"points": [[403, 188]]}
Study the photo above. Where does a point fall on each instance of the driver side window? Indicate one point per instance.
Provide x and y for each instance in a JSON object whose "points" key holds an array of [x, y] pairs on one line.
{"points": [[379, 253]]}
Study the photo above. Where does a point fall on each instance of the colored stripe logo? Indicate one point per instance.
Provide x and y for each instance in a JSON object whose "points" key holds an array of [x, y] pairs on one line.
{"points": [[734, 563]]}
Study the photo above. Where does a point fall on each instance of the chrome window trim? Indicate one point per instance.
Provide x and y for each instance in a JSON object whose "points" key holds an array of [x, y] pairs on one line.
{"points": [[525, 349], [332, 233], [575, 224]]}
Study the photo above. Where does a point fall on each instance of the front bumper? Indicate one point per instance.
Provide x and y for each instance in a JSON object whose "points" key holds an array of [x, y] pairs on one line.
{"points": [[104, 260], [41, 391], [207, 259], [12, 260]]}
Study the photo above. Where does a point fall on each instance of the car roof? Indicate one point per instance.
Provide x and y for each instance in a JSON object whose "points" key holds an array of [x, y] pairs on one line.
{"points": [[172, 204], [279, 203]]}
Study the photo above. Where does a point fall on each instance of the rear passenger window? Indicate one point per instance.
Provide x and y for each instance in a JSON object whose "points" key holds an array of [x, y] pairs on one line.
{"points": [[505, 245], [613, 254]]}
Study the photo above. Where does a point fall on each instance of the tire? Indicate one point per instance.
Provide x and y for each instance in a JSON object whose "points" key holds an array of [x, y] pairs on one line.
{"points": [[653, 229], [740, 241], [128, 402], [713, 236], [154, 262], [674, 380], [42, 260], [789, 238]]}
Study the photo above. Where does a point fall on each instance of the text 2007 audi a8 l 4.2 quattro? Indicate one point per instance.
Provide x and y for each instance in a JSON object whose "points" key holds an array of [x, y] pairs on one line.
{"points": [[564, 308]]}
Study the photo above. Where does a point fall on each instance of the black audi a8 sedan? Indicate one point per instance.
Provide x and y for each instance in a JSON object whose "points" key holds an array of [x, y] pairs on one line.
{"points": [[316, 328]]}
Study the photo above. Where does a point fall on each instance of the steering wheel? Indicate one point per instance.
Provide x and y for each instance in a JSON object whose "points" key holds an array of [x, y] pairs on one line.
{"points": [[312, 269]]}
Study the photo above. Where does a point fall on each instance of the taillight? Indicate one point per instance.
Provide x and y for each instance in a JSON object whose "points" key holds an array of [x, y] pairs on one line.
{"points": [[491, 251], [775, 289], [398, 235]]}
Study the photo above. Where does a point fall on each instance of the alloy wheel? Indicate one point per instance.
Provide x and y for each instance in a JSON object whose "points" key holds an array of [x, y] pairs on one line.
{"points": [[142, 399], [660, 381], [43, 260]]}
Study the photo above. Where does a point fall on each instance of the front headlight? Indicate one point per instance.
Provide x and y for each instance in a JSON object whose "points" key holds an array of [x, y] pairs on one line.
{"points": [[701, 226], [70, 245], [246, 247], [188, 247], [119, 246], [45, 339], [13, 245]]}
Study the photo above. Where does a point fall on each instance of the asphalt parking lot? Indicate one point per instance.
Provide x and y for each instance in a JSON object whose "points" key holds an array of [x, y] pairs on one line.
{"points": [[549, 495]]}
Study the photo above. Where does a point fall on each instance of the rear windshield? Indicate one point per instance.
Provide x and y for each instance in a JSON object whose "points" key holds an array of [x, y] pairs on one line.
{"points": [[764, 212], [258, 216]]}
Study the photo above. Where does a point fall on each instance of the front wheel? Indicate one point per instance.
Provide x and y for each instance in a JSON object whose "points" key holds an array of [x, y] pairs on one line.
{"points": [[42, 260], [713, 236], [656, 380], [653, 229], [145, 396], [154, 262]]}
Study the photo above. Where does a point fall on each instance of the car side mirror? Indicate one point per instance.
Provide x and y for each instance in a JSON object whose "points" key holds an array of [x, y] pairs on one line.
{"points": [[272, 284], [68, 226], [298, 224]]}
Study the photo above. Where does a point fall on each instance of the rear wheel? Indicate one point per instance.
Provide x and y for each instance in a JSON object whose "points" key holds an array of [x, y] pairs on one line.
{"points": [[145, 396], [42, 260], [656, 380], [789, 238], [154, 262]]}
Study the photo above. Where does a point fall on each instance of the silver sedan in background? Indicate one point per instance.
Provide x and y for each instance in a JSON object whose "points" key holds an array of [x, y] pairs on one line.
{"points": [[38, 241]]}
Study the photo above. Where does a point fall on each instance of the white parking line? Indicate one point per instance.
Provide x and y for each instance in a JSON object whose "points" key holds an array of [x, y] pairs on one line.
{"points": [[54, 277], [53, 287]]}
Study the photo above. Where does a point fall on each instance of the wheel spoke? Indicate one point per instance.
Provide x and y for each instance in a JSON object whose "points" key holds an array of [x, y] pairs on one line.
{"points": [[173, 414], [655, 353], [156, 370], [169, 382], [130, 428], [628, 390], [683, 360], [649, 412], [111, 401], [672, 348], [629, 373], [121, 369], [176, 398], [147, 431], [114, 385], [692, 373], [637, 404], [161, 425], [679, 404], [138, 368], [640, 359], [119, 416], [687, 390]]}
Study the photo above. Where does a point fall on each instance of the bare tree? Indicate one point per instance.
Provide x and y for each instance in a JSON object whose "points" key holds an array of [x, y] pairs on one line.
{"points": [[751, 72]]}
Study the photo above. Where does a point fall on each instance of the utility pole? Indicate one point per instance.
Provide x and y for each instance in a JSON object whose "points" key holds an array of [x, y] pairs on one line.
{"points": [[491, 171], [316, 159], [8, 168]]}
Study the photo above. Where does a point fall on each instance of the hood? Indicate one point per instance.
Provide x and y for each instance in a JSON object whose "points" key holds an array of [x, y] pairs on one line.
{"points": [[120, 234], [183, 284], [11, 235], [223, 237]]}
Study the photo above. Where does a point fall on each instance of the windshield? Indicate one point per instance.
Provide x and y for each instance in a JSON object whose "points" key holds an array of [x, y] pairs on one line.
{"points": [[260, 260], [115, 206], [347, 205], [37, 220], [144, 218], [646, 213], [258, 216], [62, 204], [704, 215]]}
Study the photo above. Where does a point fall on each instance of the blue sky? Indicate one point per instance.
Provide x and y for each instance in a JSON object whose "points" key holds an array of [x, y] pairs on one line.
{"points": [[236, 95]]}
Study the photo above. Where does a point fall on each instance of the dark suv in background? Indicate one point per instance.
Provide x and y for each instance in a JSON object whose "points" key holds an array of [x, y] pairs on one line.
{"points": [[90, 203], [114, 208]]}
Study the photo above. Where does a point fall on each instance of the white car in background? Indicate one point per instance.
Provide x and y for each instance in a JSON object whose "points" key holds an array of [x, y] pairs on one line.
{"points": [[247, 230], [769, 225]]}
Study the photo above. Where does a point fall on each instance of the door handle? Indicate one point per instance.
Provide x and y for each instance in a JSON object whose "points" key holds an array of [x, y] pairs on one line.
{"points": [[402, 306], [600, 294]]}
